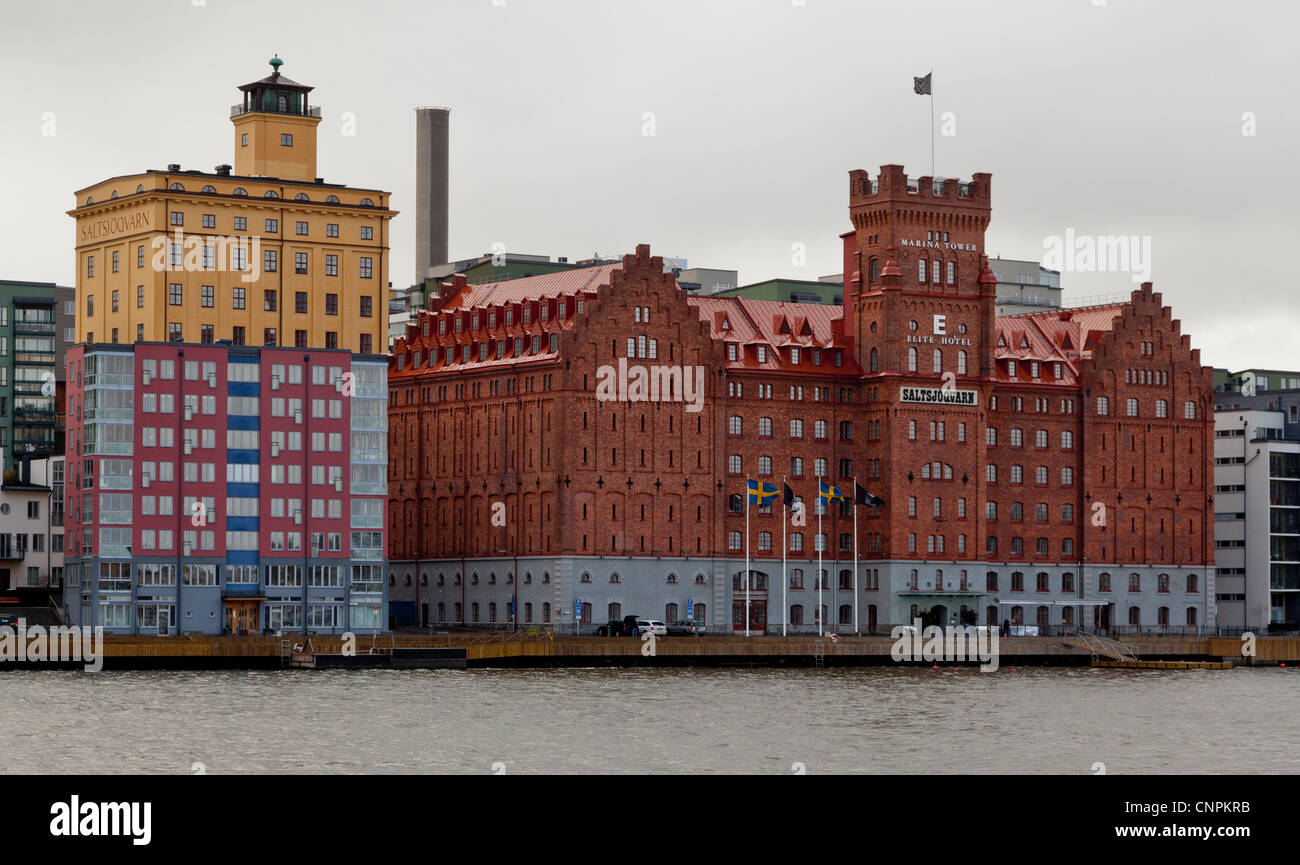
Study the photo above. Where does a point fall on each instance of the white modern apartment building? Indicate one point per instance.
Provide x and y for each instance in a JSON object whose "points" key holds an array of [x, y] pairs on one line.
{"points": [[1257, 510]]}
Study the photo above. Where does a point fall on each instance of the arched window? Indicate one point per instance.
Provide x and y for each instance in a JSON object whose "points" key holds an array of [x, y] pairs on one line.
{"points": [[331, 199], [90, 200], [114, 195], [796, 614], [875, 270], [875, 360], [937, 362], [208, 188], [1135, 616], [239, 190], [911, 359], [1162, 617], [920, 270], [271, 193], [961, 362], [176, 187], [935, 272], [301, 196], [952, 273], [139, 188], [546, 612], [670, 613], [615, 612], [442, 611], [282, 104], [528, 612], [366, 202], [846, 614], [1191, 616], [458, 609]]}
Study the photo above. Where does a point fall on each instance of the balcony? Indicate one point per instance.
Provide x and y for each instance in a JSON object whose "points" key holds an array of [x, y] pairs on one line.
{"points": [[237, 110]]}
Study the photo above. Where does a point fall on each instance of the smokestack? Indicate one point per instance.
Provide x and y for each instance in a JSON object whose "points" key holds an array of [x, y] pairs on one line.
{"points": [[431, 179]]}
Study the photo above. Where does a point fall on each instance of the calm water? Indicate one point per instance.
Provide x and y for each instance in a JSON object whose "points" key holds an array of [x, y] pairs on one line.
{"points": [[651, 721]]}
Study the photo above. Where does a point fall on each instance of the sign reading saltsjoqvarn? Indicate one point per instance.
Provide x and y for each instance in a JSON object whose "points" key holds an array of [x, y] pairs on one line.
{"points": [[937, 396]]}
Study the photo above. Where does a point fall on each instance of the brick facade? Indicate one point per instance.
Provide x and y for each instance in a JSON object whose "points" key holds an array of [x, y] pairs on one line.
{"points": [[627, 501]]}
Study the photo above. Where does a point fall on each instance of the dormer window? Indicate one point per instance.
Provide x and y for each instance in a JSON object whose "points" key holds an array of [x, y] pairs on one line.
{"points": [[731, 351], [762, 354], [1011, 368], [794, 356]]}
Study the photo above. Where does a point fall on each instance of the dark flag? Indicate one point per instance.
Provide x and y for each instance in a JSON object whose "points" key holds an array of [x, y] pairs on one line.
{"points": [[862, 497], [787, 497], [921, 86]]}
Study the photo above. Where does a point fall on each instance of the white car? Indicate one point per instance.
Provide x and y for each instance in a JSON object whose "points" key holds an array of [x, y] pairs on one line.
{"points": [[651, 626]]}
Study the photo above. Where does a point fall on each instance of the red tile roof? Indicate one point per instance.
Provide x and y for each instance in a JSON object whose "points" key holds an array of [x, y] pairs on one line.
{"points": [[531, 288]]}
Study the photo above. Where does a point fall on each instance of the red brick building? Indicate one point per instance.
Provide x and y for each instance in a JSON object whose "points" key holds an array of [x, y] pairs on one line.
{"points": [[587, 435]]}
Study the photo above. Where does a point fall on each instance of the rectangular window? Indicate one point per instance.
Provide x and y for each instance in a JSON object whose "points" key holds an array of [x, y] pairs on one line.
{"points": [[366, 265]]}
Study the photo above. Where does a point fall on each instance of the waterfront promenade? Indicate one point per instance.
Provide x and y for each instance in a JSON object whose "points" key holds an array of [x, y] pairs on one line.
{"points": [[499, 649]]}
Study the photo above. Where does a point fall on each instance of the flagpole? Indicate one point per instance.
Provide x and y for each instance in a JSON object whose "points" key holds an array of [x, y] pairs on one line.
{"points": [[855, 555], [785, 616], [746, 557], [932, 121], [820, 617]]}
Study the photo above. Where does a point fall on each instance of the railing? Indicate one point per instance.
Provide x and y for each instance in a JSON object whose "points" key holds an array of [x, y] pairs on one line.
{"points": [[237, 110]]}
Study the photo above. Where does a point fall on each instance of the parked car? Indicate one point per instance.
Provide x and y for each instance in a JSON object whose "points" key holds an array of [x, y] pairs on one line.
{"points": [[686, 627], [624, 627], [652, 626]]}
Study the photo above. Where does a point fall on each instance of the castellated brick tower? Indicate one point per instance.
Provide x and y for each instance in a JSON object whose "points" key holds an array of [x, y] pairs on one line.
{"points": [[916, 254]]}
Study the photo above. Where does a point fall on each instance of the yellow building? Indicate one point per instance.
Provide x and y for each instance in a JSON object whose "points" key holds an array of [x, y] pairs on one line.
{"points": [[268, 253]]}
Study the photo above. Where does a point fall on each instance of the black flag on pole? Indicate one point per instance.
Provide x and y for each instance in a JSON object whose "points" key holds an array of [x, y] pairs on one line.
{"points": [[862, 497], [788, 496], [921, 86]]}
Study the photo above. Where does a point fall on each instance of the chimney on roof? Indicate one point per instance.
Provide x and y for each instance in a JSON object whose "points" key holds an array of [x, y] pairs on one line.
{"points": [[223, 170], [431, 188], [173, 167]]}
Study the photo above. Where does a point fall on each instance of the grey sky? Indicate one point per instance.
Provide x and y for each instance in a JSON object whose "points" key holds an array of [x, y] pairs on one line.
{"points": [[1124, 118]]}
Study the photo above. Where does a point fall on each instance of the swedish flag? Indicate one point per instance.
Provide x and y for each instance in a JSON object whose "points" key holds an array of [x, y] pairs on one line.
{"points": [[761, 493], [828, 493]]}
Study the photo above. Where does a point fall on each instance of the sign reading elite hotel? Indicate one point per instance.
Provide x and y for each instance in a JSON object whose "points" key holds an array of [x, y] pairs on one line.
{"points": [[937, 396]]}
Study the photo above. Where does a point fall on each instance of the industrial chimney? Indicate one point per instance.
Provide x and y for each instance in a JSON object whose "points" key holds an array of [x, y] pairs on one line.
{"points": [[431, 176]]}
